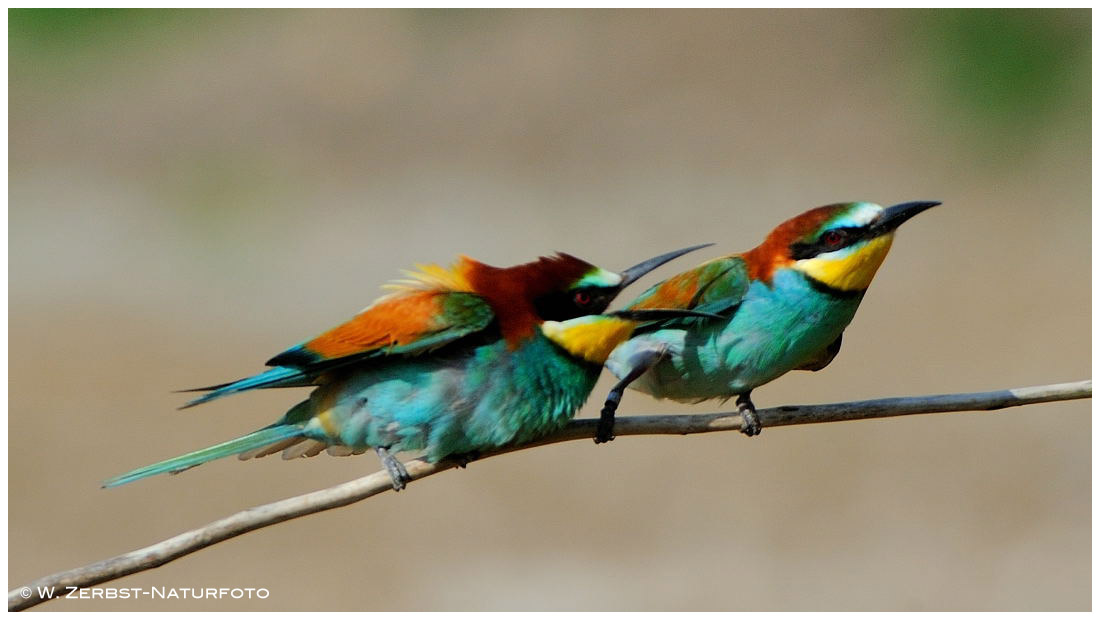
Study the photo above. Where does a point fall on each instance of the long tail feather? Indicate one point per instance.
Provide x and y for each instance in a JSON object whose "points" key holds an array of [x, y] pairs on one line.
{"points": [[276, 377], [251, 441]]}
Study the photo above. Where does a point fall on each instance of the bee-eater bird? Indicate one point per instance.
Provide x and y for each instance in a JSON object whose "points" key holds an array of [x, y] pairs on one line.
{"points": [[785, 305], [453, 362]]}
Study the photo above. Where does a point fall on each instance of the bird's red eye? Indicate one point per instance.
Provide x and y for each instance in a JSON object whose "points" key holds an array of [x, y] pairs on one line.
{"points": [[832, 238], [582, 298]]}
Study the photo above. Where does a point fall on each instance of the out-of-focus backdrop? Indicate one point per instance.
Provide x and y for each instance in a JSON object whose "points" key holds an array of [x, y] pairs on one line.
{"points": [[192, 192]]}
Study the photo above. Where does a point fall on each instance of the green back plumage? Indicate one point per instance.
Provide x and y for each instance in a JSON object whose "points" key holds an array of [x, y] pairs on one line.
{"points": [[716, 286]]}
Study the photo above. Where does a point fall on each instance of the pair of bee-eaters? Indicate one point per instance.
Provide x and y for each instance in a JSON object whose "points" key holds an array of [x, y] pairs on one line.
{"points": [[461, 360]]}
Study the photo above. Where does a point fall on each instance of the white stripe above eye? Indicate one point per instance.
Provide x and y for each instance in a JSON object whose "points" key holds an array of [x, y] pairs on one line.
{"points": [[860, 214], [600, 278]]}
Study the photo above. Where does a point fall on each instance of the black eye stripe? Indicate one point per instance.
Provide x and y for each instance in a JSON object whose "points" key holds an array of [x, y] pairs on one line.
{"points": [[568, 304], [848, 236]]}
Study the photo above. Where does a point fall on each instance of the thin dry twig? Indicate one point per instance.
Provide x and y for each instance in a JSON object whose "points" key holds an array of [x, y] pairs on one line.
{"points": [[258, 517]]}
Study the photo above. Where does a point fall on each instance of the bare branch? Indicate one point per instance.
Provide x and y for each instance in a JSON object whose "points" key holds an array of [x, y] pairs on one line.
{"points": [[379, 482]]}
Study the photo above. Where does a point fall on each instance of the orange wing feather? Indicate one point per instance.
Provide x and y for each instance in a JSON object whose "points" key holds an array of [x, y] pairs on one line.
{"points": [[392, 321], [417, 310], [679, 291], [421, 306]]}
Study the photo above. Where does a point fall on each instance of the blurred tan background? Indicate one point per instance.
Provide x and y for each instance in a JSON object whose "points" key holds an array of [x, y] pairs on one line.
{"points": [[192, 192]]}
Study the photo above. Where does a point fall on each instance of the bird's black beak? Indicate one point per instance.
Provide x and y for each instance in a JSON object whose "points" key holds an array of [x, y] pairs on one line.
{"points": [[661, 314], [895, 216], [644, 267]]}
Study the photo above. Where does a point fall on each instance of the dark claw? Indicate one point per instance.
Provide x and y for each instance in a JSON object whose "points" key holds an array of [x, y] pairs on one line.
{"points": [[750, 422], [399, 476], [465, 458], [605, 428]]}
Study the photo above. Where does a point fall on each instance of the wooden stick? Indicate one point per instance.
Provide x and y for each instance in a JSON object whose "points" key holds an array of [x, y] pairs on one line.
{"points": [[258, 517]]}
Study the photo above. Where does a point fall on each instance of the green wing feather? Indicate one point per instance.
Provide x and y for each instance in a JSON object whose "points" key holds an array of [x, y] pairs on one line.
{"points": [[716, 286]]}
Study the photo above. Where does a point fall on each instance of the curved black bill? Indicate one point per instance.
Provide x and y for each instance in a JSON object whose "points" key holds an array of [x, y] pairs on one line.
{"points": [[644, 267], [661, 314], [892, 217]]}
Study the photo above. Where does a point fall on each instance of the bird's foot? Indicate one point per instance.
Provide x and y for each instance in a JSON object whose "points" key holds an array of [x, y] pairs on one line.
{"points": [[465, 458], [399, 476], [750, 422], [605, 428], [639, 364]]}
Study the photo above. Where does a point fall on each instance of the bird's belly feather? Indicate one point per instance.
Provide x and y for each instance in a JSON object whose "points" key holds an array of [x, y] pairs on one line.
{"points": [[443, 407], [772, 332]]}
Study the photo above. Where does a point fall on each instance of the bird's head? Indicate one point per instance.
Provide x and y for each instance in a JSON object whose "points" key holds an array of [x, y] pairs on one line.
{"points": [[840, 246], [579, 288], [556, 289]]}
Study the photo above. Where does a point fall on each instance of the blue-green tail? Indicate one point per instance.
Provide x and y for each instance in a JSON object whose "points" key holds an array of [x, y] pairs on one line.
{"points": [[251, 441], [276, 377]]}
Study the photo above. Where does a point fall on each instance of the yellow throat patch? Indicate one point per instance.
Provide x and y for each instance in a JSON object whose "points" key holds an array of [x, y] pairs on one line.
{"points": [[591, 338], [849, 272]]}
